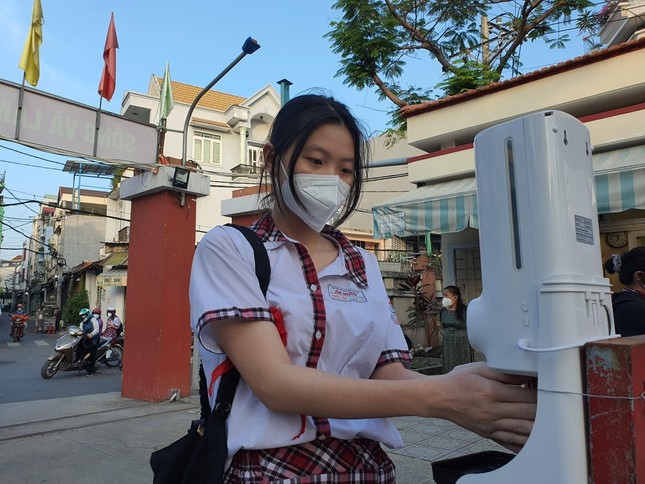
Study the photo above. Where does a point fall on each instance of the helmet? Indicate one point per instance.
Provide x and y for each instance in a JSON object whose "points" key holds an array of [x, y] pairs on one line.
{"points": [[19, 305], [84, 313], [110, 310], [96, 311]]}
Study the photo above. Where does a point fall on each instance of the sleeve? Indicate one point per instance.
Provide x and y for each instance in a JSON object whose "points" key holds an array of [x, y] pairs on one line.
{"points": [[223, 284]]}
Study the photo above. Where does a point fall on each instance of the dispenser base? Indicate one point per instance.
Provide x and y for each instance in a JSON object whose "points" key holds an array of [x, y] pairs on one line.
{"points": [[448, 471]]}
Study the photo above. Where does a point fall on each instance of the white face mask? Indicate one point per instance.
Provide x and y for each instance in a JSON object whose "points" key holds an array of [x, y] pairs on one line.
{"points": [[321, 195], [446, 302]]}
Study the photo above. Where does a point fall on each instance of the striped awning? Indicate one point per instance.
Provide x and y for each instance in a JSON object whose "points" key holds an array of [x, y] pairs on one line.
{"points": [[620, 179], [451, 206], [440, 208]]}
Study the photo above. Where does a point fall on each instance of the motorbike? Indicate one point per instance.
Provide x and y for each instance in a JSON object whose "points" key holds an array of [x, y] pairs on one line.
{"points": [[18, 326], [108, 353], [113, 355]]}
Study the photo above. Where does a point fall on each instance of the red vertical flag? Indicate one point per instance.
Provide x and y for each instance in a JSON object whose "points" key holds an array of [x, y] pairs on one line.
{"points": [[108, 78]]}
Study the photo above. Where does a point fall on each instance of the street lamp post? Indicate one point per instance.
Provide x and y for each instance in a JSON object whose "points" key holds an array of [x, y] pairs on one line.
{"points": [[250, 46]]}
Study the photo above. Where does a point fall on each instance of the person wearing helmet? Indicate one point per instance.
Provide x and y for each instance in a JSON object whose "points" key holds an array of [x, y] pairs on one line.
{"points": [[90, 342], [20, 311], [114, 327], [96, 312]]}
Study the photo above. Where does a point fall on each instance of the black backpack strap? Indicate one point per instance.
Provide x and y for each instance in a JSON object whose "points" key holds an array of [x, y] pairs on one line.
{"points": [[215, 426], [262, 265]]}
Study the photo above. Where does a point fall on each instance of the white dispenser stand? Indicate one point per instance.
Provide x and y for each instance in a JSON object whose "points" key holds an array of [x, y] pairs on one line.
{"points": [[544, 294]]}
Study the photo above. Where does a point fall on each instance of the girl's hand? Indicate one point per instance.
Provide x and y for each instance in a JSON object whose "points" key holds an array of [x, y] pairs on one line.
{"points": [[489, 403]]}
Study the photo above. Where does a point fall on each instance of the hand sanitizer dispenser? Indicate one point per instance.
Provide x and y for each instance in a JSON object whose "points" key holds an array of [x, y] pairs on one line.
{"points": [[544, 295]]}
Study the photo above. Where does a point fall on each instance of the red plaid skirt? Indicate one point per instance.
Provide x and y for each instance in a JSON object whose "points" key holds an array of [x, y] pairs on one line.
{"points": [[328, 461]]}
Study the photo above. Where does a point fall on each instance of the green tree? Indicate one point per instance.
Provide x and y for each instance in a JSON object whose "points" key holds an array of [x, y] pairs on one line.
{"points": [[474, 42], [73, 305]]}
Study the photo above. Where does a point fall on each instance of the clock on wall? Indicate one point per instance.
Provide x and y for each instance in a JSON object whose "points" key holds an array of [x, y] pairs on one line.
{"points": [[617, 240]]}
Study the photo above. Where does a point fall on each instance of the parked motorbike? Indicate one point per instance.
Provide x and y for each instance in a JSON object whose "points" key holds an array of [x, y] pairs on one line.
{"points": [[18, 326], [64, 356]]}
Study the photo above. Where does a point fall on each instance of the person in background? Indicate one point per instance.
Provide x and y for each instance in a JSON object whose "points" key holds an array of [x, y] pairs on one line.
{"points": [[20, 314], [113, 325], [40, 317], [322, 357], [90, 342], [96, 312], [456, 348], [629, 304]]}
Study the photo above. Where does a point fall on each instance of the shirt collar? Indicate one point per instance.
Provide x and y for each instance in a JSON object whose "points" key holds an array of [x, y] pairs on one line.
{"points": [[354, 262]]}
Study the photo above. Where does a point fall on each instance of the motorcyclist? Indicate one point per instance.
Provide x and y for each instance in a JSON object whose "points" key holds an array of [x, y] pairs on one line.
{"points": [[90, 343], [114, 327], [18, 316]]}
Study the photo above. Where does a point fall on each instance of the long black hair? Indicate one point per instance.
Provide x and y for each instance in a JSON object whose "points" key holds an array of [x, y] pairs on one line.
{"points": [[292, 127]]}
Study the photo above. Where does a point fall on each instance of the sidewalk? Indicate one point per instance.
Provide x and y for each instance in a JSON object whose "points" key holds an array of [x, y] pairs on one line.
{"points": [[106, 438]]}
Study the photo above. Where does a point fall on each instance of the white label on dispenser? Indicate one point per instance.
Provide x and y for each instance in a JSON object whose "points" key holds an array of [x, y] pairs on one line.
{"points": [[584, 230]]}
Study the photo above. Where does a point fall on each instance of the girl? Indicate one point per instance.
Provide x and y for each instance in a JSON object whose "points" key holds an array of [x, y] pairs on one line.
{"points": [[629, 305], [312, 406]]}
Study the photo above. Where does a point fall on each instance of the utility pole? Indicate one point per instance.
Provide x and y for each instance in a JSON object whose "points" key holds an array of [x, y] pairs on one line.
{"points": [[485, 40], [1, 206]]}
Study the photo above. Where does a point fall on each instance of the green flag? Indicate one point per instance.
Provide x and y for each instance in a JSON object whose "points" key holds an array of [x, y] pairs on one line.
{"points": [[166, 100]]}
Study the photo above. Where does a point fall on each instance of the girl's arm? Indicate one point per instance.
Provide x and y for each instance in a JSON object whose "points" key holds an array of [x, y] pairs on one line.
{"points": [[472, 396]]}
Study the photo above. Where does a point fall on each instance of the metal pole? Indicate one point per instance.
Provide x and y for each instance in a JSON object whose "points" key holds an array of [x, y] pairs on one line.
{"points": [[250, 46]]}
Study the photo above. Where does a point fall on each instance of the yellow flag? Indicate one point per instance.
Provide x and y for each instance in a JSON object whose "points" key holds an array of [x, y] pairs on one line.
{"points": [[30, 60]]}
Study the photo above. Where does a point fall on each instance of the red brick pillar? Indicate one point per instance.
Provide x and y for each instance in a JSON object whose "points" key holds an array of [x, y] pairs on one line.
{"points": [[616, 369]]}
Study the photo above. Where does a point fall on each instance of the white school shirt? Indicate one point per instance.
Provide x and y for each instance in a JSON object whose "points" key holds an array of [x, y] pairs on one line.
{"points": [[360, 329]]}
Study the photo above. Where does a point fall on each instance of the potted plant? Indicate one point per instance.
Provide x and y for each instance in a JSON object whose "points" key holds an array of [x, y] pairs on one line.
{"points": [[422, 313]]}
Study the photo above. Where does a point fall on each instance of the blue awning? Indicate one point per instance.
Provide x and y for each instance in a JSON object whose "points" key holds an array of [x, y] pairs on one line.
{"points": [[451, 206]]}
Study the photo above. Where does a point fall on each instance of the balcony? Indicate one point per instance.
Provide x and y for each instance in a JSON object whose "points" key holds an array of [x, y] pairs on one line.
{"points": [[625, 20]]}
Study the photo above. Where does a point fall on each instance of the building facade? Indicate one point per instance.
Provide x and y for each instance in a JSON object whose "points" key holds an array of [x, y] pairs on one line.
{"points": [[604, 89]]}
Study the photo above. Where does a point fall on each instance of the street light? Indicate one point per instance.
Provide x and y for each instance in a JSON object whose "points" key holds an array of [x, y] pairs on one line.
{"points": [[250, 46]]}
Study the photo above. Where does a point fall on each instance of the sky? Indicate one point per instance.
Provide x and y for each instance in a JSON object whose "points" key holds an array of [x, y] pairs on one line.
{"points": [[198, 38]]}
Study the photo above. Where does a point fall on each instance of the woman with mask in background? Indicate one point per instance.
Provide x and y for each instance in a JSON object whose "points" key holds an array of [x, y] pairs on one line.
{"points": [[629, 304], [322, 357], [456, 349]]}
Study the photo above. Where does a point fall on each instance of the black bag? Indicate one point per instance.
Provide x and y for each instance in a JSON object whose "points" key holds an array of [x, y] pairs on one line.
{"points": [[199, 457]]}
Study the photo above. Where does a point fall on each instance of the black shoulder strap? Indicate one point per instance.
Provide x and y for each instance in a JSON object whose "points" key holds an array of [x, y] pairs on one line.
{"points": [[226, 389], [262, 265]]}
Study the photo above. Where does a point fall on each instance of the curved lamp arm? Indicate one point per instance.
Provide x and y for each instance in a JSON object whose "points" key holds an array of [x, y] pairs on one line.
{"points": [[250, 46]]}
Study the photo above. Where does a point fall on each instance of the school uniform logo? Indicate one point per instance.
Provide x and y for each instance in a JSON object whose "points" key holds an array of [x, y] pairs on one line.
{"points": [[341, 294]]}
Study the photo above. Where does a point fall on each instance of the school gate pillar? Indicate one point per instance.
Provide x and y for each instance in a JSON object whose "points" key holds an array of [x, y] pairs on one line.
{"points": [[156, 363], [615, 371]]}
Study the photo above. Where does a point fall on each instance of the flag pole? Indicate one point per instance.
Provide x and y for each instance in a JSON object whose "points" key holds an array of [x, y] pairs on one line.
{"points": [[21, 97], [97, 126]]}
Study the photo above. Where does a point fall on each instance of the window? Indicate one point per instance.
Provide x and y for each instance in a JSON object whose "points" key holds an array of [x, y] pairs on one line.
{"points": [[254, 156], [207, 148]]}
